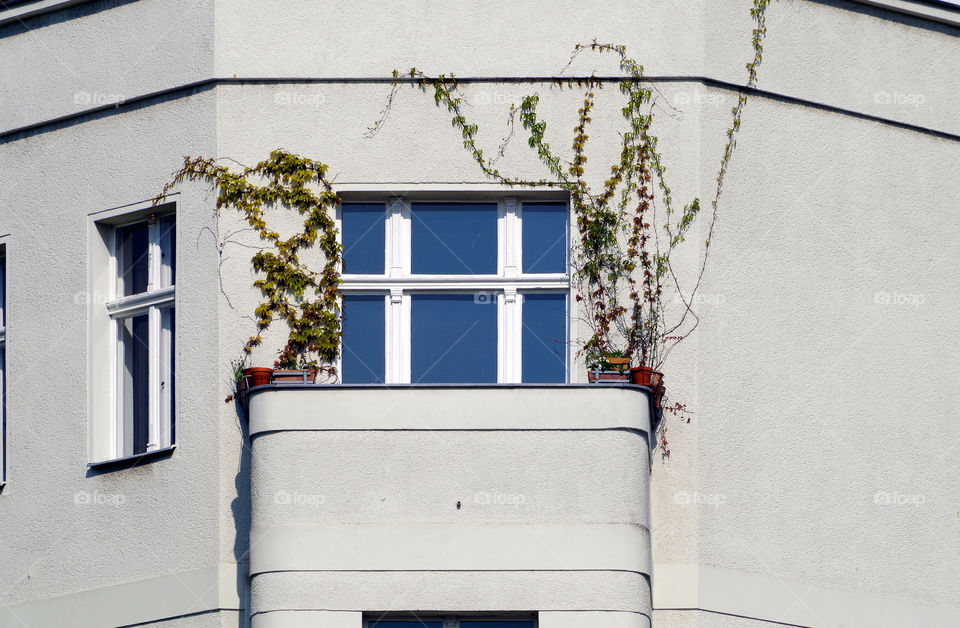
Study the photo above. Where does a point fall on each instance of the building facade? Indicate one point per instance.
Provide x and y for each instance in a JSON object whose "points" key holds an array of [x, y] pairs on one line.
{"points": [[814, 485]]}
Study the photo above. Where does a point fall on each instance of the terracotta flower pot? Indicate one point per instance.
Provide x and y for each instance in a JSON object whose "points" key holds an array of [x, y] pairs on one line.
{"points": [[618, 364], [607, 376], [257, 376], [646, 376], [284, 376]]}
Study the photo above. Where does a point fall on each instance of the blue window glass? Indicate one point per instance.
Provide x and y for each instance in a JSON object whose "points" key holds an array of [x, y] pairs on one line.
{"points": [[363, 339], [496, 624], [544, 338], [544, 237], [364, 230], [416, 623], [454, 238], [453, 338]]}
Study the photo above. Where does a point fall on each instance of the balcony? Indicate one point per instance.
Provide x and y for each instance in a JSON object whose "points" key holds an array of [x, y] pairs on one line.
{"points": [[444, 499]]}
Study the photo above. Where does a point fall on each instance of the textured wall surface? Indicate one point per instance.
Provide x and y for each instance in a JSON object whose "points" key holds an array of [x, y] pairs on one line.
{"points": [[822, 450], [545, 515]]}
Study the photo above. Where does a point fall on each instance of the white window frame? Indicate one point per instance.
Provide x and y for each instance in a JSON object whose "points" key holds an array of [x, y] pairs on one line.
{"points": [[119, 308], [509, 284]]}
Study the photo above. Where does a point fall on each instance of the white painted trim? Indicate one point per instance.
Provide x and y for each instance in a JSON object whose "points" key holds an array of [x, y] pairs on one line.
{"points": [[936, 13], [307, 619], [593, 619], [440, 546], [454, 191], [692, 586], [139, 303], [154, 599], [149, 303], [428, 408], [16, 14]]}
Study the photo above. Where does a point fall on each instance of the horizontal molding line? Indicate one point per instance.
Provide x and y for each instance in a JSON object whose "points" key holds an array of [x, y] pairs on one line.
{"points": [[190, 89]]}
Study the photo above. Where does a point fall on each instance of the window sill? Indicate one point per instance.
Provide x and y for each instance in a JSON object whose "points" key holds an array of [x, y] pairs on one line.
{"points": [[127, 462], [30, 9], [930, 10]]}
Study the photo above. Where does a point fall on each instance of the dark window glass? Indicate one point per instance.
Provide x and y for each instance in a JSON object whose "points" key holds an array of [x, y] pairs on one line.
{"points": [[168, 250], [454, 238], [133, 258], [544, 237], [453, 338], [393, 623], [135, 383], [496, 624], [364, 229], [544, 339], [363, 339]]}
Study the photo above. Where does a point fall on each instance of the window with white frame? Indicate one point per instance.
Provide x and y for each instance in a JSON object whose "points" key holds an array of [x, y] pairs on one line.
{"points": [[449, 623], [142, 319], [465, 291], [3, 364]]}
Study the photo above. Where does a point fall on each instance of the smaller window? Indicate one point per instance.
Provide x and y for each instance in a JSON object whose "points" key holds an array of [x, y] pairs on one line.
{"points": [[143, 318]]}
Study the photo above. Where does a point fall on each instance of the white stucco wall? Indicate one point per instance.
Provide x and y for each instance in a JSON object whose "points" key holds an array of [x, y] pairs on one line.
{"points": [[822, 449], [441, 500]]}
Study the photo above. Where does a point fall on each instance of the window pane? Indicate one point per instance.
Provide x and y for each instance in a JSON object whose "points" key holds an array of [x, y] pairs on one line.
{"points": [[544, 237], [544, 339], [416, 623], [167, 379], [133, 259], [134, 383], [453, 338], [496, 624], [454, 238], [168, 250], [363, 339], [364, 229]]}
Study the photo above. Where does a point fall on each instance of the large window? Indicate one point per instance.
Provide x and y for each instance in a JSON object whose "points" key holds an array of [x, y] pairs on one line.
{"points": [[3, 365], [455, 291], [142, 318]]}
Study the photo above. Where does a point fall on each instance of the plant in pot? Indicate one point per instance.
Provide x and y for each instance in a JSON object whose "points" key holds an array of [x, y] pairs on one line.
{"points": [[608, 367]]}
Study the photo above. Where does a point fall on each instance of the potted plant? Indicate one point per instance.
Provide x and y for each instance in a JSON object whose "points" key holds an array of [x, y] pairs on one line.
{"points": [[609, 367], [294, 367]]}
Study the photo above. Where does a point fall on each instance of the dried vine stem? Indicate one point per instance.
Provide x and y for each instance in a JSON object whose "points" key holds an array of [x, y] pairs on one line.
{"points": [[620, 262]]}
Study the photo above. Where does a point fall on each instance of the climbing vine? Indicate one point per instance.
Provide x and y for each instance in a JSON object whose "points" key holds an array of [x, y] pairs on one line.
{"points": [[622, 260], [621, 263], [307, 301]]}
